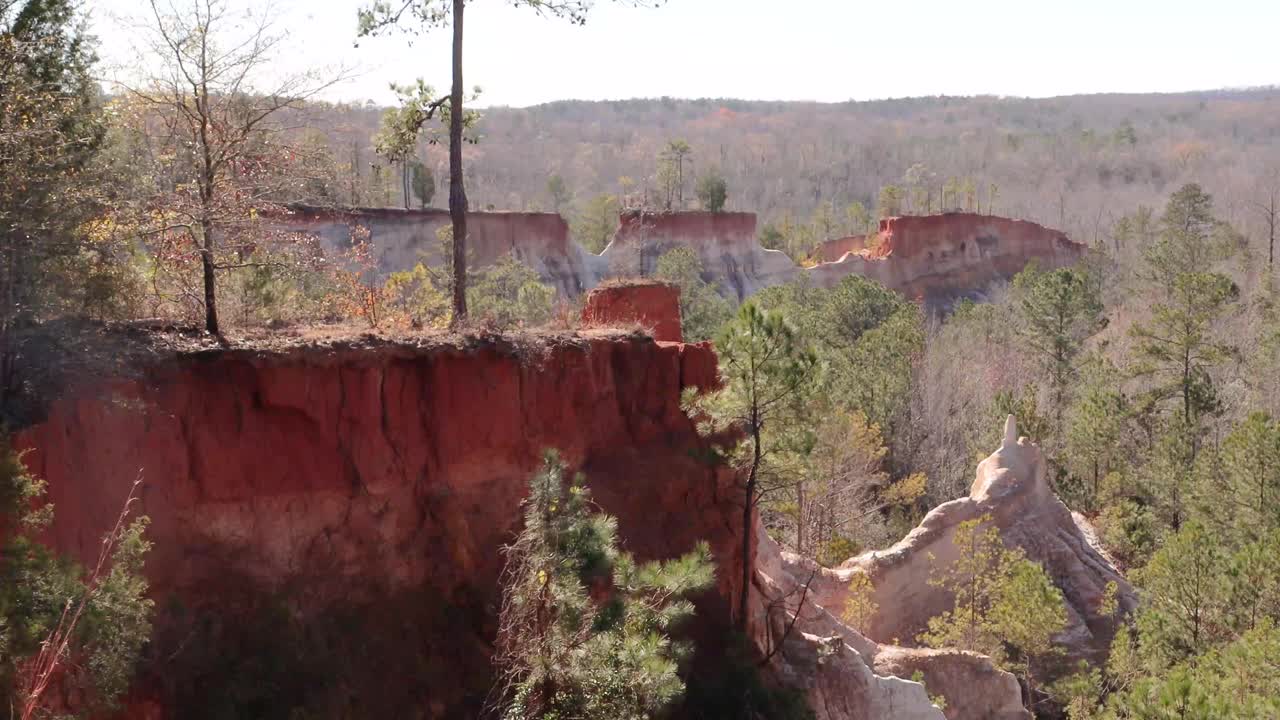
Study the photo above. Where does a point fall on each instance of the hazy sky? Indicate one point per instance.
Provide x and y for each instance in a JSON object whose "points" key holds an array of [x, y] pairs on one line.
{"points": [[827, 50]]}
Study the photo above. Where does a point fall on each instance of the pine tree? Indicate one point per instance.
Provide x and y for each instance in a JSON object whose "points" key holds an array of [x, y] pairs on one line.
{"points": [[585, 631], [50, 132], [1059, 309], [1004, 606], [1250, 462], [84, 628], [1176, 348], [1095, 426], [766, 372], [702, 309]]}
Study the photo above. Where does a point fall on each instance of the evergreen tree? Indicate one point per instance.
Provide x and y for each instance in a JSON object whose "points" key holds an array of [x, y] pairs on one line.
{"points": [[766, 372], [424, 183], [1250, 469], [1059, 309], [1004, 606], [1095, 426], [84, 628], [594, 225], [511, 293], [702, 309], [50, 133], [713, 191], [1177, 348], [585, 631]]}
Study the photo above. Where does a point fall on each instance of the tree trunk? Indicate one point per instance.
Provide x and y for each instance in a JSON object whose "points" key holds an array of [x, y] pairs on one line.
{"points": [[748, 505], [800, 517], [1271, 233], [208, 270], [457, 193], [8, 320]]}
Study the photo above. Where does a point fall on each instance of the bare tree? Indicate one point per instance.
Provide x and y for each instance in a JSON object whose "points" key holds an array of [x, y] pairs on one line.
{"points": [[1267, 207], [382, 16], [206, 86]]}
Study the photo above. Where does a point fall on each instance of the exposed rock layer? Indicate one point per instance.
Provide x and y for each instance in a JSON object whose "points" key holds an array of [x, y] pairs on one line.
{"points": [[725, 243], [848, 676], [939, 258], [651, 305], [377, 467], [402, 238], [936, 258], [1011, 491]]}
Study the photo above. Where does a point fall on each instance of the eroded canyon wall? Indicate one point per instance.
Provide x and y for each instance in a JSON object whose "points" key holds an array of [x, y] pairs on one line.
{"points": [[939, 258], [725, 242], [934, 258], [402, 238], [1010, 493], [370, 481]]}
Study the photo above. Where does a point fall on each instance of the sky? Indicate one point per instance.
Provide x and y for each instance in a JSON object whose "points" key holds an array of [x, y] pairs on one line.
{"points": [[823, 50]]}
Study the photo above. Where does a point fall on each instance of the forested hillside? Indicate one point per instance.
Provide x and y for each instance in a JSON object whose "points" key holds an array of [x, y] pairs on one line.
{"points": [[1075, 163], [361, 467]]}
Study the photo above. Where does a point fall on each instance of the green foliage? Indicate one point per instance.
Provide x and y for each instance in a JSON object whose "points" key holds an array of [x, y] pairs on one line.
{"points": [[1078, 692], [424, 183], [594, 225], [1059, 309], [868, 336], [1204, 643], [702, 309], [1250, 467], [50, 133], [510, 293], [713, 191], [1177, 348], [563, 654], [1005, 606], [1129, 530], [671, 162], [860, 606], [1236, 681], [419, 111], [558, 191], [37, 587], [767, 372], [1095, 425], [417, 294], [889, 203], [771, 238], [1024, 408]]}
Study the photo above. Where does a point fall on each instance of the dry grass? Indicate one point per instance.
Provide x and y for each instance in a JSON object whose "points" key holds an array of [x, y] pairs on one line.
{"points": [[630, 282]]}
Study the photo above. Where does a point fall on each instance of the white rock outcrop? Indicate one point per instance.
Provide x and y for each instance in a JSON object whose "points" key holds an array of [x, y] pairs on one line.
{"points": [[848, 674]]}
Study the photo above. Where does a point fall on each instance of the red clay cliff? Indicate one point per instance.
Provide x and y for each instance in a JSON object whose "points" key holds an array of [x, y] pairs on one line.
{"points": [[937, 258], [375, 480], [651, 305]]}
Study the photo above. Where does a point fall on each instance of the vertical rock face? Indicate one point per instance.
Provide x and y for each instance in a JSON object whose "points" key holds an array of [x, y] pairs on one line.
{"points": [[654, 306], [350, 474], [1011, 491], [833, 250], [848, 676], [725, 242], [937, 258], [942, 257], [402, 238]]}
